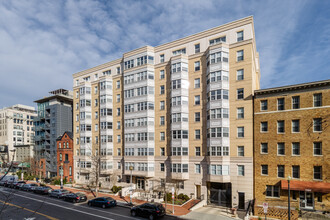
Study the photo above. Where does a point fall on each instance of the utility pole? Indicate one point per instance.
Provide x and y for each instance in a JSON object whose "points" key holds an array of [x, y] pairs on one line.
{"points": [[61, 173], [131, 190]]}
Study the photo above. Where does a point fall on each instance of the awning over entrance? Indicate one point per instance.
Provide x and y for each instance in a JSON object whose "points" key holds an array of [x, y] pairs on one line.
{"points": [[306, 186]]}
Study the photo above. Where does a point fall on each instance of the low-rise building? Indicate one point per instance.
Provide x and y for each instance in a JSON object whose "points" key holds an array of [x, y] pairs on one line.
{"points": [[65, 155], [291, 138]]}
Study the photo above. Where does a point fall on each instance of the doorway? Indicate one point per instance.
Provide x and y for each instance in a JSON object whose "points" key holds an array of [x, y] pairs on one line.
{"points": [[241, 200], [198, 191], [140, 184], [306, 200]]}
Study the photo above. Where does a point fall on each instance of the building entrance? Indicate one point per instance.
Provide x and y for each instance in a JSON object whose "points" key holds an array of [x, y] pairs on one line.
{"points": [[220, 194]]}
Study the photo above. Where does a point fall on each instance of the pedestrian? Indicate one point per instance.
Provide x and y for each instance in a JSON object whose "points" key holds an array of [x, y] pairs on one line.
{"points": [[159, 194], [37, 179]]}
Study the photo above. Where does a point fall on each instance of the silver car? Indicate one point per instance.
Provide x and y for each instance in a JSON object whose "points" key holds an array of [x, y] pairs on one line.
{"points": [[58, 193]]}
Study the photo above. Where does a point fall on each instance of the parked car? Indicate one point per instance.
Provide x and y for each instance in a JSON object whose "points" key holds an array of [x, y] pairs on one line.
{"points": [[103, 202], [42, 190], [29, 187], [20, 185], [75, 197], [149, 210], [14, 184], [59, 193]]}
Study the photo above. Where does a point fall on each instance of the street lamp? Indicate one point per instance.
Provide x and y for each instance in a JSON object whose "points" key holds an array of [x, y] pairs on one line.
{"points": [[131, 190], [289, 211], [61, 173]]}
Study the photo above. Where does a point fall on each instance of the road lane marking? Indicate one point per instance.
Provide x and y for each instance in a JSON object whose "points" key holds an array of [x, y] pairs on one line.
{"points": [[29, 210], [75, 204]]}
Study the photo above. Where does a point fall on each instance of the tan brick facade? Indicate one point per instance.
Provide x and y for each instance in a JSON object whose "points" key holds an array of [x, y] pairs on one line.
{"points": [[305, 158]]}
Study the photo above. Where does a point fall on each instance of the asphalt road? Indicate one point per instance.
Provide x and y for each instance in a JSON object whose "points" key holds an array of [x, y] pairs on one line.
{"points": [[19, 205]]}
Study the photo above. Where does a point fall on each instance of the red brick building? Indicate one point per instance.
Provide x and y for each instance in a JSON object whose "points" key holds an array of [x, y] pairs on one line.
{"points": [[65, 155]]}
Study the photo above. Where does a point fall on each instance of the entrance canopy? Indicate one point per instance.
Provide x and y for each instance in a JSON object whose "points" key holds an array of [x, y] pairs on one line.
{"points": [[306, 186]]}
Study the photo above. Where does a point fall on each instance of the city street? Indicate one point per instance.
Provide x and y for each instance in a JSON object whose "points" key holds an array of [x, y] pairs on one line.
{"points": [[27, 205]]}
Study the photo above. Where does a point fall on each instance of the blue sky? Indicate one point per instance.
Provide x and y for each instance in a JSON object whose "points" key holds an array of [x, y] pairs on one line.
{"points": [[42, 43]]}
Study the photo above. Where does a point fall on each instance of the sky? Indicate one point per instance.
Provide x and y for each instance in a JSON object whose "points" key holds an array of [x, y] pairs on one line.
{"points": [[42, 43]]}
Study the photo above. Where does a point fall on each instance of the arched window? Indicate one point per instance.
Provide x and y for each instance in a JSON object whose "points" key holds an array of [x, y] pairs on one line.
{"points": [[60, 157], [59, 145]]}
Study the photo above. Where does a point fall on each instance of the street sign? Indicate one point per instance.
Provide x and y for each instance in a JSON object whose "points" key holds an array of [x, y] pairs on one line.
{"points": [[265, 206]]}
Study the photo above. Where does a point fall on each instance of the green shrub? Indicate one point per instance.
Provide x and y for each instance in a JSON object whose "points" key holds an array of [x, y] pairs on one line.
{"points": [[116, 189], [183, 197]]}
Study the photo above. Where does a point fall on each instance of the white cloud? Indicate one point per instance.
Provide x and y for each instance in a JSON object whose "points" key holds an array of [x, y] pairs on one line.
{"points": [[44, 42]]}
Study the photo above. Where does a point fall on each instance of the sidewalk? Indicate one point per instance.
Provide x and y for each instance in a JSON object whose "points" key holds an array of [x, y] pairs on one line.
{"points": [[124, 201]]}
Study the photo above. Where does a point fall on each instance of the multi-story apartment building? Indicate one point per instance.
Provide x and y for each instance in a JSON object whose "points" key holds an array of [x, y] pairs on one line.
{"points": [[65, 156], [292, 141], [54, 118], [180, 113], [16, 129]]}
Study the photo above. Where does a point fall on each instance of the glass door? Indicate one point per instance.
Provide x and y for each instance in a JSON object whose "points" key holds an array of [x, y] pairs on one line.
{"points": [[309, 200]]}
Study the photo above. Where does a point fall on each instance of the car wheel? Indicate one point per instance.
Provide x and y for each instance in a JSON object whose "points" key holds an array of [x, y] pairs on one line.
{"points": [[151, 217], [103, 206], [133, 213]]}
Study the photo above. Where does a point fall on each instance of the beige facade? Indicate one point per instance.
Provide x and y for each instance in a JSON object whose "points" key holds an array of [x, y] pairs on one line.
{"points": [[292, 141], [178, 115], [16, 129]]}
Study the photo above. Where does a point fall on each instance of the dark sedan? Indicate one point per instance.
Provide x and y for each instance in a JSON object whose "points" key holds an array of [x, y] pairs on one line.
{"points": [[149, 210], [42, 190], [75, 197], [103, 202], [15, 184], [58, 193], [29, 187]]}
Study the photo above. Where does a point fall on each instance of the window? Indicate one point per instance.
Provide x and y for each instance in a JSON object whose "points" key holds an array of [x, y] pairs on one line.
{"points": [[240, 74], [162, 167], [240, 113], [162, 151], [317, 148], [197, 83], [264, 126], [317, 100], [162, 136], [59, 145], [280, 171], [118, 139], [240, 93], [197, 168], [118, 111], [295, 126], [180, 51], [273, 191], [295, 102], [162, 120], [118, 97], [240, 170], [264, 148], [162, 74], [240, 151], [317, 124], [240, 55], [197, 151], [197, 116], [118, 84], [118, 124], [197, 65], [296, 148], [218, 40], [60, 157], [162, 90], [197, 48], [240, 36], [197, 100], [197, 134], [162, 105], [66, 157], [280, 149], [240, 132], [280, 104], [280, 126], [296, 172], [264, 105], [264, 170], [162, 58], [317, 172], [118, 70]]}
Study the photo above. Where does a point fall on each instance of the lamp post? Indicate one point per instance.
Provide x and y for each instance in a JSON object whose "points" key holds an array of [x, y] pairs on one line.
{"points": [[61, 173], [289, 211], [131, 190]]}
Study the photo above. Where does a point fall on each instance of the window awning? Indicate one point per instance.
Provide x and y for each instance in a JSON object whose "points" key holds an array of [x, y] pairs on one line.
{"points": [[306, 186]]}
